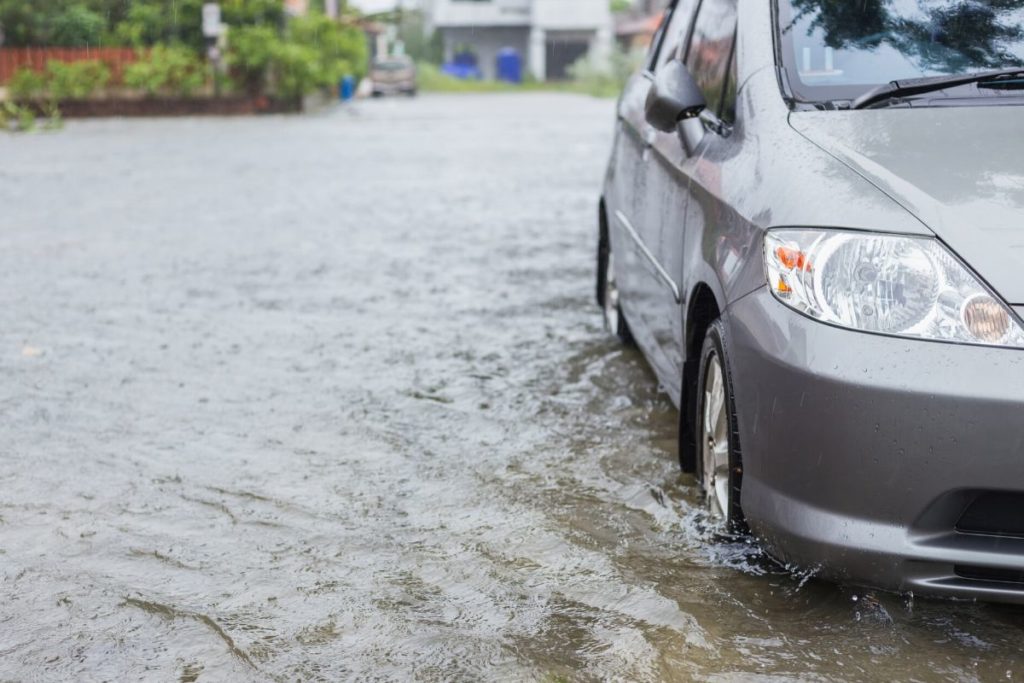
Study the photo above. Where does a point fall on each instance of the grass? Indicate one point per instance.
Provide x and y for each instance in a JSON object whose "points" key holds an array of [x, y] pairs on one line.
{"points": [[432, 80]]}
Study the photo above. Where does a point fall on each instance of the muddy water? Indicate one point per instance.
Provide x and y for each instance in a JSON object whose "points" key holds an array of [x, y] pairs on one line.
{"points": [[327, 398]]}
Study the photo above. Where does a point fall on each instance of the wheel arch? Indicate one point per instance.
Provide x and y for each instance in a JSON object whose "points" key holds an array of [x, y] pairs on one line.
{"points": [[703, 308]]}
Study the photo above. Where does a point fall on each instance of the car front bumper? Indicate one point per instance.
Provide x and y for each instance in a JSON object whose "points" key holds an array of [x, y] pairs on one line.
{"points": [[861, 453], [394, 88]]}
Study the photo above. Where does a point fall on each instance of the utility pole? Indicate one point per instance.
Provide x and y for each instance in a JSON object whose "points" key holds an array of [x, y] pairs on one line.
{"points": [[213, 31]]}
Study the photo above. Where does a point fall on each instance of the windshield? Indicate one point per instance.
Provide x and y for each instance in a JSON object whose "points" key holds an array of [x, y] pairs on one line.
{"points": [[839, 49]]}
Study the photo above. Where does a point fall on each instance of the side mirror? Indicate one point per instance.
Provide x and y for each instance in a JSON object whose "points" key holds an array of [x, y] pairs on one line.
{"points": [[673, 97]]}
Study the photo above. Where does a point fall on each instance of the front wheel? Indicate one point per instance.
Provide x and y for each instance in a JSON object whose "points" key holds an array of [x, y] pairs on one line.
{"points": [[719, 468]]}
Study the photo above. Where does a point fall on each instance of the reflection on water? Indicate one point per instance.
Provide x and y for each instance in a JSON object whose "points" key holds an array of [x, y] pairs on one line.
{"points": [[386, 442]]}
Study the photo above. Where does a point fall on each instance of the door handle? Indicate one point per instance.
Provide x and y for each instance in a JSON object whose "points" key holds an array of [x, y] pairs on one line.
{"points": [[649, 137]]}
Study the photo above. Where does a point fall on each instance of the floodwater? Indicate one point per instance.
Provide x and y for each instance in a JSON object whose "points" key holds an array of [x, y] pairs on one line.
{"points": [[327, 398]]}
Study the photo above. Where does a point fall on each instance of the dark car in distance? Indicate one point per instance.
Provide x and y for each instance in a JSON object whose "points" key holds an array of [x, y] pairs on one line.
{"points": [[812, 226]]}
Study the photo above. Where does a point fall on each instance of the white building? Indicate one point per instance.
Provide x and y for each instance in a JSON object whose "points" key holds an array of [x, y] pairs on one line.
{"points": [[549, 35]]}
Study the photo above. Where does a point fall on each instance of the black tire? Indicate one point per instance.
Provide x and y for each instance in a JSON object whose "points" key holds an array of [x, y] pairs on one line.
{"points": [[714, 350], [615, 320]]}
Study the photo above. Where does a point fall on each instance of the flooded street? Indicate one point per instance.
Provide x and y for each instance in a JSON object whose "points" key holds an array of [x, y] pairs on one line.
{"points": [[328, 398]]}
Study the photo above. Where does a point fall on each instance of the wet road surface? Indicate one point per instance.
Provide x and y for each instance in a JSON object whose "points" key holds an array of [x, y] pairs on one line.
{"points": [[327, 398]]}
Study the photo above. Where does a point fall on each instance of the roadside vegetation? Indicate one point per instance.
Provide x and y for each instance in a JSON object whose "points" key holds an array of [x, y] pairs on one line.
{"points": [[608, 77], [266, 54], [432, 79]]}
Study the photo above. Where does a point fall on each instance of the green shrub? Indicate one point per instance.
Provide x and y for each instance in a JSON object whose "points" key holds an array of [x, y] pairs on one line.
{"points": [[75, 80], [22, 117], [26, 84], [61, 81], [167, 70], [52, 114], [430, 78], [608, 78]]}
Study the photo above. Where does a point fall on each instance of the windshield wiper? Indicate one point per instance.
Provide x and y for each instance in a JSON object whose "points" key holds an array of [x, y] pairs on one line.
{"points": [[919, 86]]}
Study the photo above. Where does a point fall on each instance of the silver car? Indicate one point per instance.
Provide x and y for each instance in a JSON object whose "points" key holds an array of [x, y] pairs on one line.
{"points": [[393, 76], [812, 226]]}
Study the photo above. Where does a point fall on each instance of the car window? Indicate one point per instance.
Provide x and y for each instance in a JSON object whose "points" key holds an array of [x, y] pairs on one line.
{"points": [[710, 54], [391, 66], [839, 51], [676, 32]]}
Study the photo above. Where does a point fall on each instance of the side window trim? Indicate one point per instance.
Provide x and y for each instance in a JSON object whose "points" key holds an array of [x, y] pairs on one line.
{"points": [[659, 37], [679, 50], [684, 51]]}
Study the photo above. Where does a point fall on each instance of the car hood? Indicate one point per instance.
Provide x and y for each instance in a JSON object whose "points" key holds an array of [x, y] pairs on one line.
{"points": [[959, 170]]}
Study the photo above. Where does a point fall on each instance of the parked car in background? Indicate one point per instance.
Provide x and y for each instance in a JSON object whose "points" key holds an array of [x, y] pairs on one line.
{"points": [[393, 76], [812, 226]]}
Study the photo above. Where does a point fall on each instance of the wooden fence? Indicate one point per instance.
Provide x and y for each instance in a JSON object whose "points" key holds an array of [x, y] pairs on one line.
{"points": [[13, 58]]}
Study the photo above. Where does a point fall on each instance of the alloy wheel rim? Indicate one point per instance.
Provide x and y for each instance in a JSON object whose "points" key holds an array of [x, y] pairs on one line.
{"points": [[611, 296], [715, 439]]}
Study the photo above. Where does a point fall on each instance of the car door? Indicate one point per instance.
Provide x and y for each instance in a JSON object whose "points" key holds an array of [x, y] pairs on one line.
{"points": [[679, 179], [639, 230], [626, 207]]}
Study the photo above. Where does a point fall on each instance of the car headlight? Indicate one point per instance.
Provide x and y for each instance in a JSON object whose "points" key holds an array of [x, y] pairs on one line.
{"points": [[888, 284]]}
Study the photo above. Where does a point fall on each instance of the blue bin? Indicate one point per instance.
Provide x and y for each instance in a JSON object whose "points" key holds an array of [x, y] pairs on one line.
{"points": [[463, 66], [510, 65], [347, 88]]}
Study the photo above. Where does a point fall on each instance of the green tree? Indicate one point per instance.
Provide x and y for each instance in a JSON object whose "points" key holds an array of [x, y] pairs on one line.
{"points": [[251, 50], [151, 22], [313, 52], [339, 49], [59, 22], [24, 24], [145, 24], [295, 70], [78, 26], [420, 45]]}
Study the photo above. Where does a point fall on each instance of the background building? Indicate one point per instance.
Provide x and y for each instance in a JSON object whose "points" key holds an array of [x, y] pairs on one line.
{"points": [[549, 34]]}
